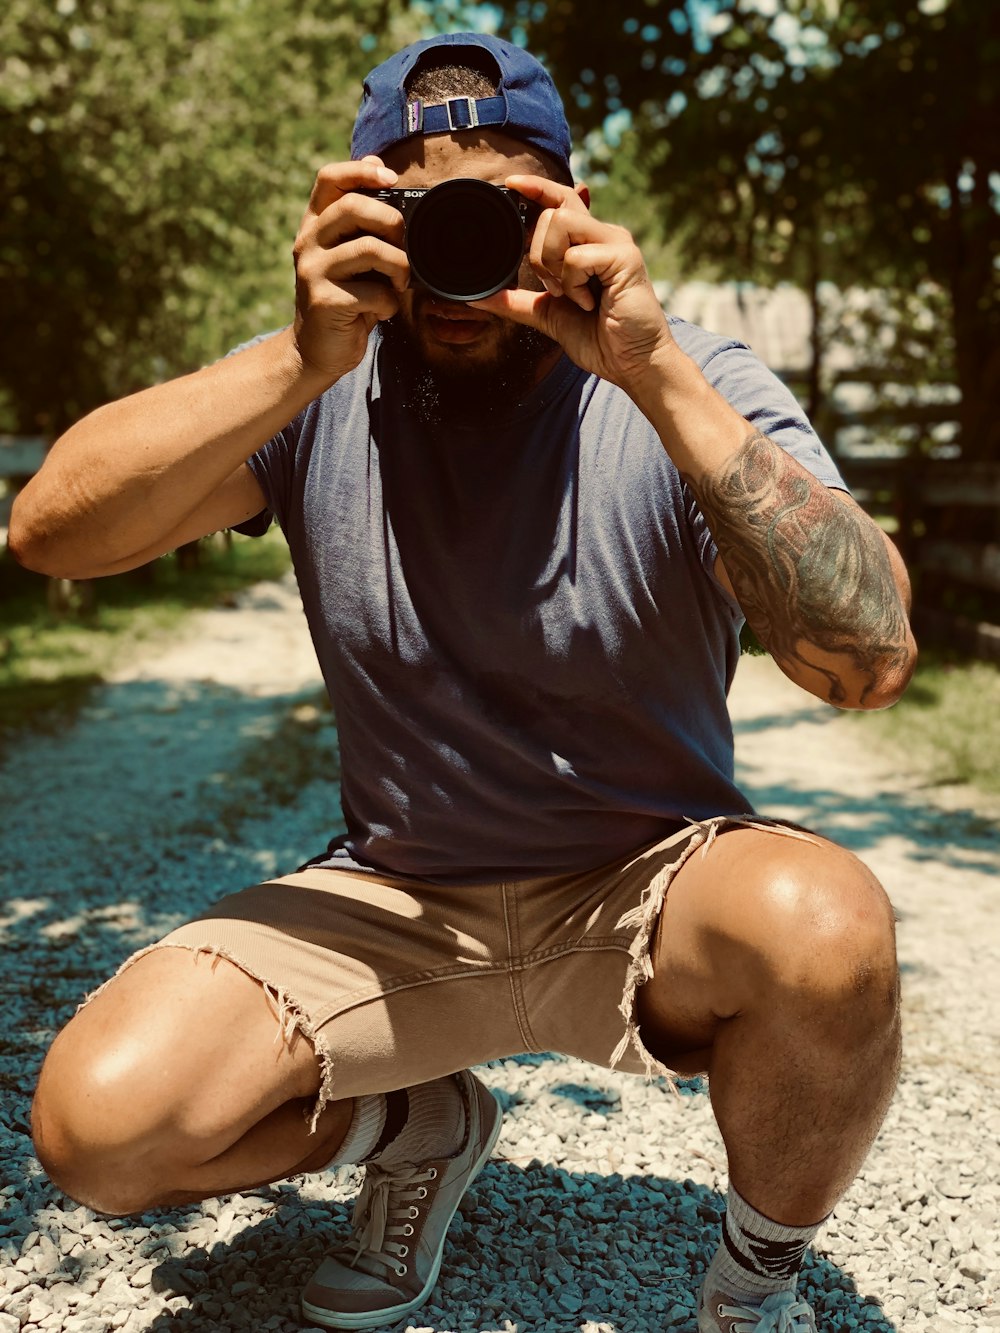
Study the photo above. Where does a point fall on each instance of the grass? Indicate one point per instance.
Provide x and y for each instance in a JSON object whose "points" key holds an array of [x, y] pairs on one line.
{"points": [[51, 662], [948, 722]]}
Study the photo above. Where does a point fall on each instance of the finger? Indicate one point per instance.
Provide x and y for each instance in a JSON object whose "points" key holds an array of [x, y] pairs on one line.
{"points": [[564, 231], [337, 304], [548, 193], [361, 255], [358, 213], [337, 178], [540, 246], [585, 268], [538, 310], [369, 298]]}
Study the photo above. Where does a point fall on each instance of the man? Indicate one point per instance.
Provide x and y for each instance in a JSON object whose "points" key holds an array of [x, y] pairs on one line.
{"points": [[526, 529]]}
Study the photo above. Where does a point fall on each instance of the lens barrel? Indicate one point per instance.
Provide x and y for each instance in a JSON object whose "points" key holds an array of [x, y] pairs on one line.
{"points": [[464, 238]]}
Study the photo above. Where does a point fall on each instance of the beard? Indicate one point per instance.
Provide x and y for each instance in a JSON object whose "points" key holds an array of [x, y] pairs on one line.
{"points": [[438, 385]]}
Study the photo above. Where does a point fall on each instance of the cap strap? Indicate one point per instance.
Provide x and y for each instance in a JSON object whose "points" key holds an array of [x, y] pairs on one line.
{"points": [[458, 113]]}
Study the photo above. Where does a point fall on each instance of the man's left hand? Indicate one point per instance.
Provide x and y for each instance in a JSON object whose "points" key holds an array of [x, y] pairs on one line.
{"points": [[622, 337]]}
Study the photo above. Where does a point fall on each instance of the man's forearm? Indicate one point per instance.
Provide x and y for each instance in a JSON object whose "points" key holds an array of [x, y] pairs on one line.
{"points": [[131, 472], [810, 571], [811, 574]]}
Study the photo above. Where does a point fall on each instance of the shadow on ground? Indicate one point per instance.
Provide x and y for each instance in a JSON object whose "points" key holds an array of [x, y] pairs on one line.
{"points": [[534, 1248], [959, 837]]}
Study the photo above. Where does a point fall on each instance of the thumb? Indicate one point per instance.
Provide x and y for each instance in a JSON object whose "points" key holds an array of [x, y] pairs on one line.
{"points": [[523, 307]]}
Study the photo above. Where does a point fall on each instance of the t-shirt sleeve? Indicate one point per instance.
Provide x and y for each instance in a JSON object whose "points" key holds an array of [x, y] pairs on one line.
{"points": [[272, 465], [770, 406]]}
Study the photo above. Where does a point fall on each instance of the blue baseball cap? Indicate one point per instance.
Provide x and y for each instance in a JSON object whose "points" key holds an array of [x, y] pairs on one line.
{"points": [[526, 105]]}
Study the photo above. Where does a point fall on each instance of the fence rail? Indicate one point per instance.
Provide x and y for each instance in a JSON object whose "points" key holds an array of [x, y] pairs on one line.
{"points": [[915, 492], [20, 458]]}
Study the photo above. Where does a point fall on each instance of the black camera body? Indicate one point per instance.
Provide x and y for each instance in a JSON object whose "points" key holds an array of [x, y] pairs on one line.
{"points": [[465, 238]]}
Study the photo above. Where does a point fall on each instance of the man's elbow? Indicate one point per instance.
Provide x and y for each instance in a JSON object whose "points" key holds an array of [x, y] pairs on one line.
{"points": [[32, 545], [890, 686], [889, 679], [23, 543], [851, 679]]}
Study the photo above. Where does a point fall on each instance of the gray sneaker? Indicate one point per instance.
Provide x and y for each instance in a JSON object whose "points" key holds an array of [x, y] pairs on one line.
{"points": [[401, 1216], [781, 1313]]}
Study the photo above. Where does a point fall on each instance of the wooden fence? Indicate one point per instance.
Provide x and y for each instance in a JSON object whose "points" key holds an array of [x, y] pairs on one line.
{"points": [[915, 493], [20, 458]]}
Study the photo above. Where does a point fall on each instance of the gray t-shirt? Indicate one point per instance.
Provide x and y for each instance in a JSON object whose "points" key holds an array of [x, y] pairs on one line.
{"points": [[517, 618]]}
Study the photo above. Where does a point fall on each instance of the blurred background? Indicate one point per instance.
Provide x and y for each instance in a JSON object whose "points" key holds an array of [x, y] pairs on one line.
{"points": [[820, 178]]}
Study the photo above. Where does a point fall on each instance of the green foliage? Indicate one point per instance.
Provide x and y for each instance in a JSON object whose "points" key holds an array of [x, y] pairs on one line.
{"points": [[847, 141], [155, 158], [618, 176]]}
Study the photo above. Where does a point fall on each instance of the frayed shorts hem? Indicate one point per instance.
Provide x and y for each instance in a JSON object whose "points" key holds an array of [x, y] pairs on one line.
{"points": [[394, 982]]}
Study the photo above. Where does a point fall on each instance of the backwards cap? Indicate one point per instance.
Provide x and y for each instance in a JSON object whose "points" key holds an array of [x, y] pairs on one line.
{"points": [[526, 105]]}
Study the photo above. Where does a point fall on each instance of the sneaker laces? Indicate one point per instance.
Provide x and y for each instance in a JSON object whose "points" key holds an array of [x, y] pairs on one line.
{"points": [[384, 1214], [781, 1313]]}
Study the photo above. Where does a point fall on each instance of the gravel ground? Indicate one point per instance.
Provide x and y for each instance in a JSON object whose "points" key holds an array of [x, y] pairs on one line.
{"points": [[600, 1210]]}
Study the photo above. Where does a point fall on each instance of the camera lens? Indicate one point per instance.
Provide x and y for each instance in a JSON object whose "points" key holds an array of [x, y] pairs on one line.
{"points": [[465, 239]]}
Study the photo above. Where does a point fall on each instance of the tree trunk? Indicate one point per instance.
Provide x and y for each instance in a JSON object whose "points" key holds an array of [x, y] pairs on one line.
{"points": [[977, 327]]}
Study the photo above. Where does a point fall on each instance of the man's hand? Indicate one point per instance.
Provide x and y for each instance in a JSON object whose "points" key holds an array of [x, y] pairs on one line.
{"points": [[624, 336], [343, 236]]}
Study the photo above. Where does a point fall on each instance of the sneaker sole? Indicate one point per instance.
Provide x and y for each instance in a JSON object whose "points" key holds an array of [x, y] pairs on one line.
{"points": [[386, 1318]]}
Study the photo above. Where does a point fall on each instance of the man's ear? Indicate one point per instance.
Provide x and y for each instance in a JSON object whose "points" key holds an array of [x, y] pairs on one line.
{"points": [[584, 192]]}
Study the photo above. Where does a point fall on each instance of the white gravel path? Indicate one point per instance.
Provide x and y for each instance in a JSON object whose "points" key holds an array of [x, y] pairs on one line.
{"points": [[600, 1211]]}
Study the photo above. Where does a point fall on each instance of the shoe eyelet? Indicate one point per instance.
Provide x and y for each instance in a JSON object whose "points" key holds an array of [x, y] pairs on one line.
{"points": [[414, 1213], [720, 1310], [401, 1270], [407, 1230], [403, 1251], [421, 1193], [433, 1173]]}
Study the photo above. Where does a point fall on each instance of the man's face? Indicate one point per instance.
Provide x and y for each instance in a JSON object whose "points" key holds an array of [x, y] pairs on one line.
{"points": [[455, 343]]}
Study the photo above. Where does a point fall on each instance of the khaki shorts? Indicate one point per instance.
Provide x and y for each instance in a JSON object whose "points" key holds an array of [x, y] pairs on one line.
{"points": [[399, 981]]}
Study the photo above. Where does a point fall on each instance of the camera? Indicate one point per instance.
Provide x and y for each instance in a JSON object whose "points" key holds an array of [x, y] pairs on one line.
{"points": [[465, 238]]}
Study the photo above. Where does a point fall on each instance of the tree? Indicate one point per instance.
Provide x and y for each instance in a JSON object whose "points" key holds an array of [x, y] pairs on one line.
{"points": [[844, 140], [155, 157]]}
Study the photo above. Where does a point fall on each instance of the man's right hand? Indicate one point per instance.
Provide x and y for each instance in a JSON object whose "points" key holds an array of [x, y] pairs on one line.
{"points": [[343, 236]]}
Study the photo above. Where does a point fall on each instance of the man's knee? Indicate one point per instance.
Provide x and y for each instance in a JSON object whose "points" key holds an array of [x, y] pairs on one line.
{"points": [[765, 919], [162, 1071], [89, 1127], [818, 930]]}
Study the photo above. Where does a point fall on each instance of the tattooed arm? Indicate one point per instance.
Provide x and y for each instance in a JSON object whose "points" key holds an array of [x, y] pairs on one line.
{"points": [[818, 581], [821, 585], [811, 571]]}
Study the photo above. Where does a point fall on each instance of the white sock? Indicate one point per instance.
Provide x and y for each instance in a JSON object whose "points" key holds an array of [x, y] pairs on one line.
{"points": [[411, 1125], [364, 1131], [757, 1256], [434, 1124]]}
